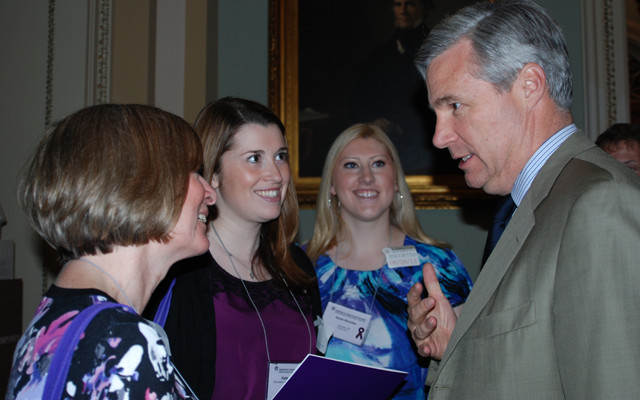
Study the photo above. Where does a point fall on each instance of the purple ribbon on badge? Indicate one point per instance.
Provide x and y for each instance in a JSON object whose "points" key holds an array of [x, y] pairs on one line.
{"points": [[360, 332]]}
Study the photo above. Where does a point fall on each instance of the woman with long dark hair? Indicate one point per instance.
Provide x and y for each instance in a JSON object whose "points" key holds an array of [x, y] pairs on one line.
{"points": [[251, 300]]}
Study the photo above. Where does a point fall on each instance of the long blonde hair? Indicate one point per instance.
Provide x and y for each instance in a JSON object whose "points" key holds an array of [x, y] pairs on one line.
{"points": [[328, 221]]}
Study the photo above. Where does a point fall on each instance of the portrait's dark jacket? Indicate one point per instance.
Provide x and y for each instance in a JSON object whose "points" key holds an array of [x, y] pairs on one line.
{"points": [[194, 349], [389, 86]]}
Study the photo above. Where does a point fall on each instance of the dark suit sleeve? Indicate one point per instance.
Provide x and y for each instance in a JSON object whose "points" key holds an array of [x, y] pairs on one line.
{"points": [[596, 296]]}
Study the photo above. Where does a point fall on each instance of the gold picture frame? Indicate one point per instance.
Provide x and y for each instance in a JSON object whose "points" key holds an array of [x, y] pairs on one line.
{"points": [[428, 191]]}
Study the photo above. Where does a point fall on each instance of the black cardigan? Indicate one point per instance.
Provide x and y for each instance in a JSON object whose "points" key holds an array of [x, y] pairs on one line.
{"points": [[193, 351]]}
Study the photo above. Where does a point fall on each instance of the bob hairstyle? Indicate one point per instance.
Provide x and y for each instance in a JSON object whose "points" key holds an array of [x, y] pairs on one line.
{"points": [[328, 221], [109, 175], [217, 125]]}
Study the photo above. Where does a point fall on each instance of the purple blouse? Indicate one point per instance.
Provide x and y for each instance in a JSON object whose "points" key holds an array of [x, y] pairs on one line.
{"points": [[241, 356]]}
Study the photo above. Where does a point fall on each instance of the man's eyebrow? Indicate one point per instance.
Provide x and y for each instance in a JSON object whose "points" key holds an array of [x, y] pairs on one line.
{"points": [[444, 100]]}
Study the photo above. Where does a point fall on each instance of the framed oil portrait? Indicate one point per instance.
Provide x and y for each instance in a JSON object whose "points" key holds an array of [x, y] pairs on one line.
{"points": [[334, 63]]}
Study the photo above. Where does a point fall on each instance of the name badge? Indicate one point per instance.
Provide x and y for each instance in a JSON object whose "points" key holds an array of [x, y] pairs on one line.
{"points": [[279, 373], [403, 256], [349, 325]]}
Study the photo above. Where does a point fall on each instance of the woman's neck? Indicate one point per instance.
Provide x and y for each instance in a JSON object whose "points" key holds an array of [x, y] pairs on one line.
{"points": [[129, 266], [360, 247], [239, 240], [231, 240]]}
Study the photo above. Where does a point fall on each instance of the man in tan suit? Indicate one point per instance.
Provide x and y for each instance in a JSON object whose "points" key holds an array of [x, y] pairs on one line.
{"points": [[555, 312]]}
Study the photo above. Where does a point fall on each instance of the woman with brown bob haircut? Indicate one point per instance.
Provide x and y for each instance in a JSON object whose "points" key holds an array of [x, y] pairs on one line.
{"points": [[249, 302], [115, 190]]}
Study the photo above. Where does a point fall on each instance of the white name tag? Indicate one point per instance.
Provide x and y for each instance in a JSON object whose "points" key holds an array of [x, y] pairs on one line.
{"points": [[349, 325], [325, 331], [404, 256], [279, 373]]}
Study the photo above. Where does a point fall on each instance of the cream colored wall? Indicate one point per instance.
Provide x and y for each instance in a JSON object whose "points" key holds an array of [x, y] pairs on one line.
{"points": [[23, 51], [195, 88], [132, 57], [130, 52]]}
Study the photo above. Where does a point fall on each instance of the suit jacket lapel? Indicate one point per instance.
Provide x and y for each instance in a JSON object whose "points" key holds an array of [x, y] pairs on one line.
{"points": [[513, 237]]}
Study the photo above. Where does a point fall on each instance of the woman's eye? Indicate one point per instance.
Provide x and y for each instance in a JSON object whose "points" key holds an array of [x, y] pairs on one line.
{"points": [[282, 156], [350, 165], [455, 106], [379, 163], [254, 158]]}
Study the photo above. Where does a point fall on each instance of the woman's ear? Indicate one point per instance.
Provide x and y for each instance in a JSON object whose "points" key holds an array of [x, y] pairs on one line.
{"points": [[215, 182], [332, 190]]}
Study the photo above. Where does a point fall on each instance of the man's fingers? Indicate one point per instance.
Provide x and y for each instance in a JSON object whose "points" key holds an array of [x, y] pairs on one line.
{"points": [[424, 329], [414, 295], [431, 281], [425, 351]]}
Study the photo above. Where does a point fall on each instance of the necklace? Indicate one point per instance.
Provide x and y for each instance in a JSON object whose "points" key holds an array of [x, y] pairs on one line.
{"points": [[241, 263], [114, 281]]}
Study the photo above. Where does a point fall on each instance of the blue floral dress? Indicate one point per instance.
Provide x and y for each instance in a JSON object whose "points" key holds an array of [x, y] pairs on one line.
{"points": [[388, 343], [119, 356]]}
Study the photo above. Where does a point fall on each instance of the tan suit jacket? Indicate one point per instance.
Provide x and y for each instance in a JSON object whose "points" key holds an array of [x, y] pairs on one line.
{"points": [[555, 313]]}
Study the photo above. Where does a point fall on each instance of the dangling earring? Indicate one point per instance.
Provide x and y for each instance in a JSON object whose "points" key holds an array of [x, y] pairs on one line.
{"points": [[338, 205], [329, 202]]}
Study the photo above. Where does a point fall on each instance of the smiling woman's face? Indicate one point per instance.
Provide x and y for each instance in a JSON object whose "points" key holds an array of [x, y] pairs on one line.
{"points": [[254, 175], [364, 181]]}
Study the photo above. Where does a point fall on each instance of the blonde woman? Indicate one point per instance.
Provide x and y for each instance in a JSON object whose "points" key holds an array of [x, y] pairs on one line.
{"points": [[364, 206]]}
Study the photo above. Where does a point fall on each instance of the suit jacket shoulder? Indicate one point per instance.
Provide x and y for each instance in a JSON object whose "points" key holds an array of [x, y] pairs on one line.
{"points": [[528, 329]]}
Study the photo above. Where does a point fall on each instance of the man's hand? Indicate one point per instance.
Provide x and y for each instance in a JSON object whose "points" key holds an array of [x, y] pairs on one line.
{"points": [[431, 320]]}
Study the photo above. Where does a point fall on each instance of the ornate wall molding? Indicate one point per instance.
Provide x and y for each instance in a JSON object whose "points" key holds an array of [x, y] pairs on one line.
{"points": [[605, 64], [98, 52]]}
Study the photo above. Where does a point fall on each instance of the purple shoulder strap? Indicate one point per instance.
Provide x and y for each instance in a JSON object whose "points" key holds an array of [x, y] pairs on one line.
{"points": [[61, 361], [163, 308]]}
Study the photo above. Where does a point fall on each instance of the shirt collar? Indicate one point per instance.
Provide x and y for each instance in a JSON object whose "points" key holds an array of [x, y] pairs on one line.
{"points": [[535, 163]]}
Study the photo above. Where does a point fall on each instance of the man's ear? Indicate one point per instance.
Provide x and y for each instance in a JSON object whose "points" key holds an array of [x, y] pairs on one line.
{"points": [[534, 83]]}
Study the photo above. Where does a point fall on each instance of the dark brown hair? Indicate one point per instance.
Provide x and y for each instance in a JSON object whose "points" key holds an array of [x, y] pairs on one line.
{"points": [[619, 133], [217, 124], [110, 175]]}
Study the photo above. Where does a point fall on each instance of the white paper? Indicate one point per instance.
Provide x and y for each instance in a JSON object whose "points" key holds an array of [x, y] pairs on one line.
{"points": [[279, 373]]}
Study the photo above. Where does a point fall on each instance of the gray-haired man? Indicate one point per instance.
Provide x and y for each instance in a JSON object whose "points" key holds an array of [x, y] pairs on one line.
{"points": [[554, 313]]}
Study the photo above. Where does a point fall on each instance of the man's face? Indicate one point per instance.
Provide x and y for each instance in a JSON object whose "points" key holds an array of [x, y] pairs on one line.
{"points": [[407, 12], [627, 153], [479, 126]]}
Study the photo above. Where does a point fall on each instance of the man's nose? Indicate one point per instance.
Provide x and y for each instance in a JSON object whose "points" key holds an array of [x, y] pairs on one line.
{"points": [[444, 133]]}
